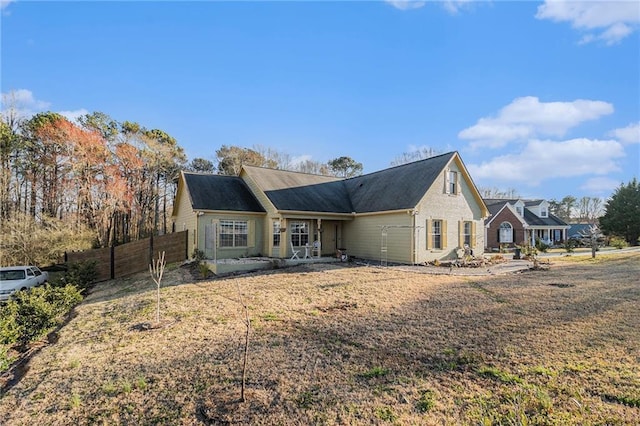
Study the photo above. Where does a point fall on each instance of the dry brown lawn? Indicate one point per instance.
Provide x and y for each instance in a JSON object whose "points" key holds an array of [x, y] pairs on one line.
{"points": [[343, 344]]}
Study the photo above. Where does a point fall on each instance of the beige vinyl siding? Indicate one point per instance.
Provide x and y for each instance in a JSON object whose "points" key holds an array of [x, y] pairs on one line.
{"points": [[362, 236], [267, 220], [186, 218], [255, 239], [453, 210]]}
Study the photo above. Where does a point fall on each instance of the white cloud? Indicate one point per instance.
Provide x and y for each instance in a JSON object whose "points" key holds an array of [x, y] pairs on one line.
{"points": [[5, 3], [454, 6], [406, 4], [527, 117], [547, 160], [451, 6], [628, 135], [600, 185], [300, 159], [22, 103], [607, 21], [74, 115]]}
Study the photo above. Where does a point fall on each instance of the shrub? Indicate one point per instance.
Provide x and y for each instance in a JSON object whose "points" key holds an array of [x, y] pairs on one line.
{"points": [[570, 245], [5, 359], [542, 246], [31, 314], [80, 274], [617, 242], [198, 255]]}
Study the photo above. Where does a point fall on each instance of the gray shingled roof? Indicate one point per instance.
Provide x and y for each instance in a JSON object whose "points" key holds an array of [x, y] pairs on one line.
{"points": [[216, 192], [396, 188], [495, 204], [296, 191], [534, 220]]}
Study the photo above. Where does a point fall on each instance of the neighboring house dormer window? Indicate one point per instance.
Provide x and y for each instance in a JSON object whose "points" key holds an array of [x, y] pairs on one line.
{"points": [[519, 210], [544, 212]]}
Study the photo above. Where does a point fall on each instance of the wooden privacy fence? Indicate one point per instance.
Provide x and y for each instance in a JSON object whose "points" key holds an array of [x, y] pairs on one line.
{"points": [[126, 259]]}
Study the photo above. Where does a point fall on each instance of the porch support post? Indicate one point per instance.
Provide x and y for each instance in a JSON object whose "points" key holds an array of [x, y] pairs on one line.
{"points": [[319, 239]]}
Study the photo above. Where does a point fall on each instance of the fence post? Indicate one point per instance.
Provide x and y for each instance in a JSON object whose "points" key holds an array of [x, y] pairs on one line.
{"points": [[112, 262], [151, 249]]}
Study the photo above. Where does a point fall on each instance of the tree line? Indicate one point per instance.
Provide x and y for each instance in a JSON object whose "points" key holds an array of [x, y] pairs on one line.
{"points": [[98, 182]]}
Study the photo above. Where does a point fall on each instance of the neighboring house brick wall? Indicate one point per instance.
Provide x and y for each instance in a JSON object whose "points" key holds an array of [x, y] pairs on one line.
{"points": [[506, 215]]}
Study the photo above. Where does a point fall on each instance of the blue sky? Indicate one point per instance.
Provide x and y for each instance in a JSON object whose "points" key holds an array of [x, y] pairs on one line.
{"points": [[540, 97]]}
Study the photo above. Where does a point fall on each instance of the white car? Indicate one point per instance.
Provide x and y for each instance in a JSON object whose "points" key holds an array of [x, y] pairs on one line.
{"points": [[14, 278]]}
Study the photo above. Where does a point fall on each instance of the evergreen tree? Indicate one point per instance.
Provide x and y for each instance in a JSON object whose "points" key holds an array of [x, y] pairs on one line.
{"points": [[622, 216]]}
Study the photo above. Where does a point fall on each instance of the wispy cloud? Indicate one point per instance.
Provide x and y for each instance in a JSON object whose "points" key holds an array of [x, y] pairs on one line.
{"points": [[74, 115], [454, 6], [451, 6], [22, 103], [627, 135], [544, 160], [5, 3], [600, 185], [527, 117], [406, 4], [605, 21]]}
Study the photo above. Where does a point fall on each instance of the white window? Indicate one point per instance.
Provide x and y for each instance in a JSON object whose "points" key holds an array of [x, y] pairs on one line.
{"points": [[519, 210], [505, 233], [543, 211], [466, 233], [436, 233], [453, 183], [276, 233], [299, 233], [234, 233]]}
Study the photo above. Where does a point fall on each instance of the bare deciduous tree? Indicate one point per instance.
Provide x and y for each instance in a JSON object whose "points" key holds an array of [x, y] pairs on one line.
{"points": [[156, 268]]}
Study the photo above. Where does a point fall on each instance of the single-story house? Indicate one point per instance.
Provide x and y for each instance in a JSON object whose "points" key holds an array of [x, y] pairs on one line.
{"points": [[518, 221], [412, 213]]}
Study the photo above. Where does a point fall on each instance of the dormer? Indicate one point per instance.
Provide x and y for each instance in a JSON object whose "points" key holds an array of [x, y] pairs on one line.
{"points": [[539, 207], [519, 207]]}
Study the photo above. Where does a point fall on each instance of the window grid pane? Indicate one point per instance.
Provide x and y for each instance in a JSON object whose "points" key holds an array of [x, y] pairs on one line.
{"points": [[276, 233], [299, 233], [437, 234], [467, 233], [234, 233]]}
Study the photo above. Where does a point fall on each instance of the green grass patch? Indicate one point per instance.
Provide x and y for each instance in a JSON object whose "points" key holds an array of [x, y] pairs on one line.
{"points": [[427, 401], [386, 414], [497, 374], [374, 372]]}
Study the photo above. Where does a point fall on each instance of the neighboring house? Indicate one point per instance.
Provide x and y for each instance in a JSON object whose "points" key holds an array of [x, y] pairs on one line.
{"points": [[578, 230], [413, 213], [515, 222]]}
